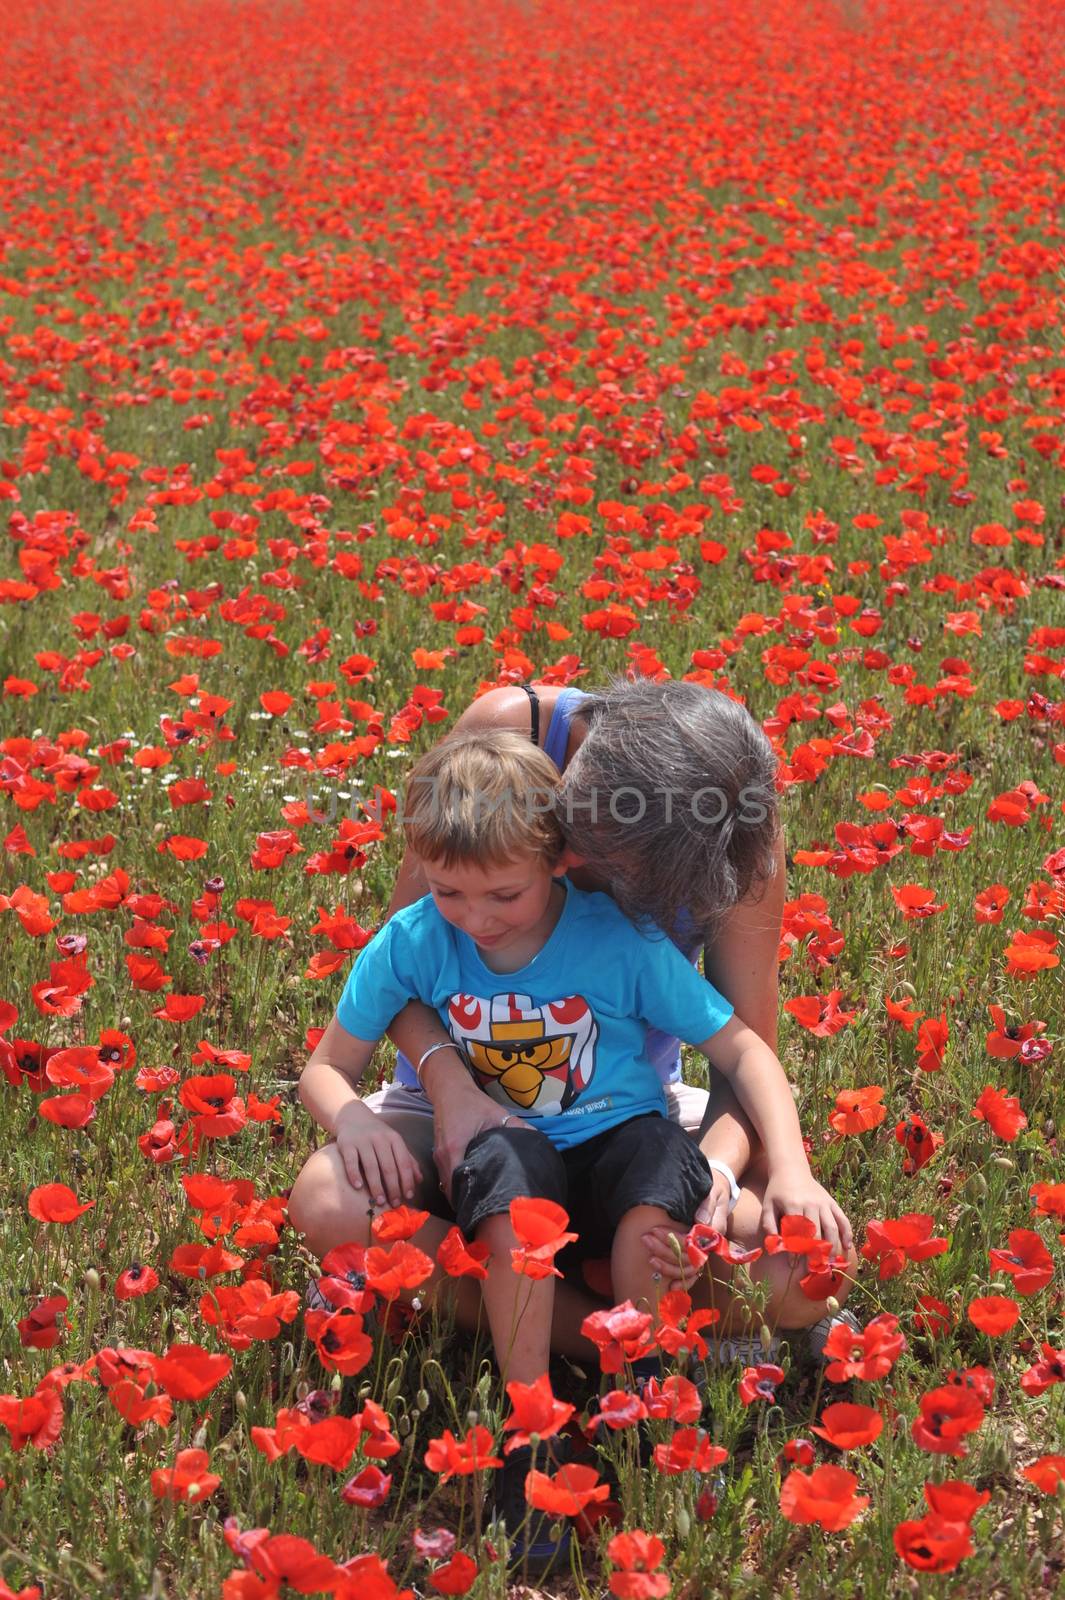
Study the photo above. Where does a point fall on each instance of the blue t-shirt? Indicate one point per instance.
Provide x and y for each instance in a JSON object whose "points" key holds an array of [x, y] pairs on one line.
{"points": [[562, 1041]]}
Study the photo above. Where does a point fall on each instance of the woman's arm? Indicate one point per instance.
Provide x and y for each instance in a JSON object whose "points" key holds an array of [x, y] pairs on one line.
{"points": [[743, 964], [763, 1090]]}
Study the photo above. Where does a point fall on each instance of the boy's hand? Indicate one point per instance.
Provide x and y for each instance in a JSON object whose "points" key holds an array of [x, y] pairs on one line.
{"points": [[375, 1156], [795, 1192]]}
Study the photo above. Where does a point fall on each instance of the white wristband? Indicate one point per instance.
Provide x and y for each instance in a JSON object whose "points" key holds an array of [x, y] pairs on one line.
{"points": [[727, 1173], [423, 1058]]}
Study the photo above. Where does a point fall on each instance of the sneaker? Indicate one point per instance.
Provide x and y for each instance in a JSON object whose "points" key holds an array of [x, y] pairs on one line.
{"points": [[817, 1336], [745, 1350], [536, 1541], [315, 1299]]}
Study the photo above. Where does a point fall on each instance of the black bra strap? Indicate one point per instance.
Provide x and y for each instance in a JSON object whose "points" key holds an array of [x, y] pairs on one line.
{"points": [[534, 713]]}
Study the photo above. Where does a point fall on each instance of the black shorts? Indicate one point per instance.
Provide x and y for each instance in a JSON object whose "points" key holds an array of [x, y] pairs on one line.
{"points": [[648, 1161]]}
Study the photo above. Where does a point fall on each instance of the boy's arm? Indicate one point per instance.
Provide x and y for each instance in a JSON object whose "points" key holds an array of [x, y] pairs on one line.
{"points": [[764, 1092], [372, 1152]]}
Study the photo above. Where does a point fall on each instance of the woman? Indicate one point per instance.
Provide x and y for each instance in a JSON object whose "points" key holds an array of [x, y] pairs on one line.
{"points": [[668, 803]]}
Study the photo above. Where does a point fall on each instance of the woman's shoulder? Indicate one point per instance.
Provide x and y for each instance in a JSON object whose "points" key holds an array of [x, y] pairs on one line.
{"points": [[507, 707]]}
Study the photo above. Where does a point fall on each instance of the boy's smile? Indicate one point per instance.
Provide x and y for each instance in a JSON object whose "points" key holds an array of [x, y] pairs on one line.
{"points": [[508, 910]]}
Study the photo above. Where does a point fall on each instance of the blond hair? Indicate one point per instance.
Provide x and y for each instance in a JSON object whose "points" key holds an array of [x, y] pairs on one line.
{"points": [[483, 797]]}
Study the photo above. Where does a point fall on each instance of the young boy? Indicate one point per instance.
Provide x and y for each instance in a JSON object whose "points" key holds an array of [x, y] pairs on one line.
{"points": [[547, 992]]}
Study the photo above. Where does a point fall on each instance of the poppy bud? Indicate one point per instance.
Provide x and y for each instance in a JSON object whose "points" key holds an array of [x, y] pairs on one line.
{"points": [[336, 1382], [240, 1401], [683, 1522], [403, 1425], [422, 1401], [91, 1279], [766, 1337], [1002, 1161], [978, 1184], [832, 1305]]}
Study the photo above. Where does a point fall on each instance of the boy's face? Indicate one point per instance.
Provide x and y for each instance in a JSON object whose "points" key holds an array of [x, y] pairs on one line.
{"points": [[500, 907]]}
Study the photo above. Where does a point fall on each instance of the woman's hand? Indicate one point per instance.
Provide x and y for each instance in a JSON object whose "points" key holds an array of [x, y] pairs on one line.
{"points": [[795, 1192], [665, 1247], [458, 1118], [375, 1156]]}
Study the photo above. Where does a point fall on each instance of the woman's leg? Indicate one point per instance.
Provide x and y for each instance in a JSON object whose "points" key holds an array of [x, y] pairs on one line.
{"points": [[788, 1307]]}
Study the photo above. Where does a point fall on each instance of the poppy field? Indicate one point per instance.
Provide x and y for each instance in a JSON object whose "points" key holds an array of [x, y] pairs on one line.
{"points": [[355, 359]]}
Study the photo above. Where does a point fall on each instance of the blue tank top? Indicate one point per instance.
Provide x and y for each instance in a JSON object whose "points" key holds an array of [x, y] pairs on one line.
{"points": [[663, 1050]]}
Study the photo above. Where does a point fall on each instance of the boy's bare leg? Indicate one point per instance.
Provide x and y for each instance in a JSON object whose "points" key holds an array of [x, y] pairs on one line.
{"points": [[630, 1267], [325, 1208], [519, 1308]]}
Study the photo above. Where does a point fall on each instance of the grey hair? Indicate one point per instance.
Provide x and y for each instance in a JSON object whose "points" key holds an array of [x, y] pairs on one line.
{"points": [[634, 801]]}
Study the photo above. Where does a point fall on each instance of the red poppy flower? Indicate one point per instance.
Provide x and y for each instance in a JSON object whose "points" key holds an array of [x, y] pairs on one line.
{"points": [[1044, 1373], [539, 1225], [1048, 1473], [37, 1421], [1028, 954], [1048, 1199], [456, 1576], [858, 1110], [368, 1488], [896, 1240], [402, 1267], [451, 1457], [798, 1236], [702, 1242], [947, 1414], [848, 1427], [689, 1450], [675, 1399], [54, 1202], [1001, 1111], [340, 1339], [994, 1314], [284, 1558], [679, 1328], [567, 1493], [932, 1038], [619, 1408], [636, 1555], [460, 1258], [918, 1141], [933, 1317], [867, 1354], [825, 1496], [820, 1015], [42, 1328], [916, 903], [1027, 1261], [401, 1222], [955, 1500], [188, 1480], [934, 1543], [535, 1411], [620, 1334], [189, 1372], [760, 1382]]}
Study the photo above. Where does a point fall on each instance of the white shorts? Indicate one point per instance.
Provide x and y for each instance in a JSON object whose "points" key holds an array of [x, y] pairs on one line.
{"points": [[684, 1103]]}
